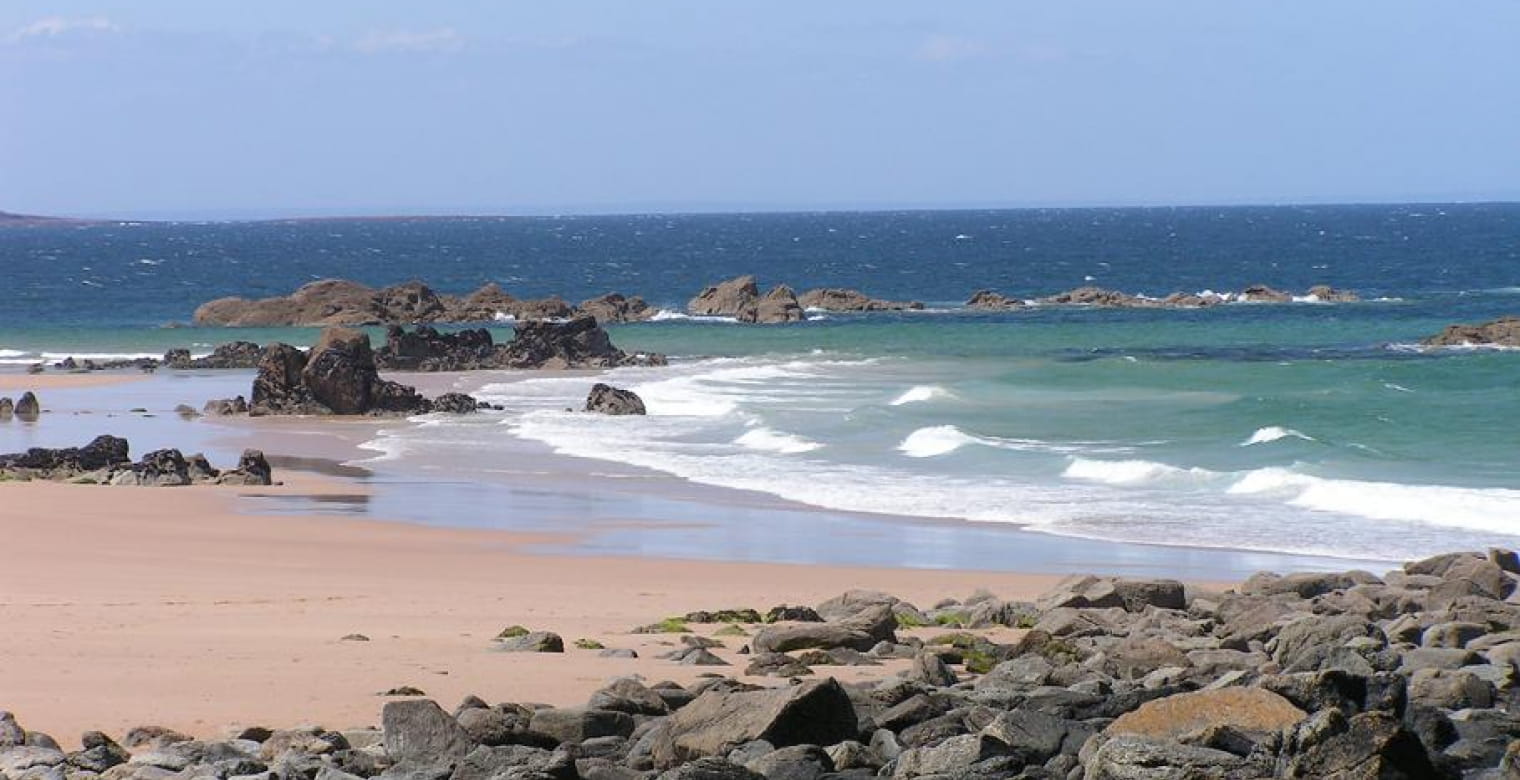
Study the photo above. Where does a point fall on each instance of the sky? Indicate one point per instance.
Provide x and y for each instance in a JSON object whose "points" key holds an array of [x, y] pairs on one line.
{"points": [[192, 109]]}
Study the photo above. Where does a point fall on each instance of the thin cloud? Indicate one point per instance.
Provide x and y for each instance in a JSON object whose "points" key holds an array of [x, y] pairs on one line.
{"points": [[945, 48], [55, 26], [445, 39]]}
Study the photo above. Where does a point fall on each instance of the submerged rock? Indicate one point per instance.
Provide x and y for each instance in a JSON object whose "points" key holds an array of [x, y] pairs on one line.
{"points": [[27, 407], [990, 300]]}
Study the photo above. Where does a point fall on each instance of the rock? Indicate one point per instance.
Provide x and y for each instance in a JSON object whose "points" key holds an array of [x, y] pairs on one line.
{"points": [[234, 354], [859, 632], [329, 302], [992, 301], [834, 299], [252, 469], [711, 768], [788, 614], [1137, 758], [816, 713], [102, 453], [1304, 644], [1097, 296], [1260, 293], [797, 762], [578, 724], [97, 754], [1371, 745], [579, 343], [337, 376], [455, 403], [424, 348], [931, 669], [1247, 709], [606, 399], [531, 642], [419, 730], [953, 757], [224, 407], [1324, 293], [614, 307], [27, 408], [515, 762], [162, 468], [626, 694], [1450, 689], [766, 664], [7, 407], [1503, 332], [778, 306], [732, 298]]}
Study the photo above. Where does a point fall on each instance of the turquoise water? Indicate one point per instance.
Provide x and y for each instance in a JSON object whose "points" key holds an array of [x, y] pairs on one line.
{"points": [[1302, 428]]}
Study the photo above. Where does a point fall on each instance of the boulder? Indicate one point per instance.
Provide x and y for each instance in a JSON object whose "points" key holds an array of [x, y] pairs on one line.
{"points": [[531, 642], [1503, 332], [7, 407], [1097, 296], [627, 694], [224, 407], [732, 298], [812, 713], [27, 407], [710, 768], [577, 724], [234, 354], [455, 403], [162, 468], [419, 730], [102, 453], [606, 399], [252, 469], [1371, 745], [1324, 293], [424, 348], [778, 306], [859, 632], [1260, 293], [1137, 758], [337, 376], [797, 762], [1247, 709]]}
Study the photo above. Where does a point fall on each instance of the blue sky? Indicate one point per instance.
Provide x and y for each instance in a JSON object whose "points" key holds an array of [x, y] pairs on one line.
{"points": [[194, 108]]}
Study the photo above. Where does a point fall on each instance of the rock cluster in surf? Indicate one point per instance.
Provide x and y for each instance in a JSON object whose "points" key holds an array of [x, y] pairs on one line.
{"points": [[1098, 296], [25, 408], [1319, 675], [106, 460], [740, 299], [343, 302], [337, 375], [1503, 332], [578, 343]]}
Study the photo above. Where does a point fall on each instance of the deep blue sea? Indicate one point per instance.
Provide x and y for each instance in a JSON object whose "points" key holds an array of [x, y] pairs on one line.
{"points": [[1302, 427]]}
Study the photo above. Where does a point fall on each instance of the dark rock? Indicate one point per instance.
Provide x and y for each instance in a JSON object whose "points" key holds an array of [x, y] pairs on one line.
{"points": [[103, 452], [817, 713], [515, 762], [579, 343], [27, 408], [234, 354], [859, 632], [252, 469], [338, 376], [626, 694], [766, 664], [224, 407], [425, 349], [7, 407], [607, 399], [1132, 758], [1372, 744], [710, 768], [785, 613], [455, 403], [162, 468]]}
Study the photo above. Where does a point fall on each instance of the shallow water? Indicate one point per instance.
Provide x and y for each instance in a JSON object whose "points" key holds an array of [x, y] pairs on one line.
{"points": [[1309, 429]]}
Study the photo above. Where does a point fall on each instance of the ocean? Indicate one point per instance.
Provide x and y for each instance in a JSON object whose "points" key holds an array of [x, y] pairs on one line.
{"points": [[1304, 428]]}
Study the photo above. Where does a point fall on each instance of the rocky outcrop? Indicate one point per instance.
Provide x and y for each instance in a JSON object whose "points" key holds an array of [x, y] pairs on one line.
{"points": [[1503, 332], [343, 302], [106, 460], [779, 305], [740, 298], [992, 301], [726, 299], [224, 407], [336, 376], [578, 343], [1324, 293], [1259, 293], [837, 299], [615, 307], [7, 408], [606, 399], [235, 354]]}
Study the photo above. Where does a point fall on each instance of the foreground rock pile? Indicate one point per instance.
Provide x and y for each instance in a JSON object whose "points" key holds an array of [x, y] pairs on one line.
{"points": [[337, 375], [106, 461], [1342, 675]]}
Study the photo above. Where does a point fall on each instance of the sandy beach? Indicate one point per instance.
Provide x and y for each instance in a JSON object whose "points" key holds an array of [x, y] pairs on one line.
{"points": [[130, 606], [37, 383]]}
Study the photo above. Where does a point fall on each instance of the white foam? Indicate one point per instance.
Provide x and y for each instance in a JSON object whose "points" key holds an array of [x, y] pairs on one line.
{"points": [[1131, 473], [11, 353], [919, 394], [767, 440], [1490, 510], [670, 315], [934, 441], [502, 316], [1273, 433], [1397, 387]]}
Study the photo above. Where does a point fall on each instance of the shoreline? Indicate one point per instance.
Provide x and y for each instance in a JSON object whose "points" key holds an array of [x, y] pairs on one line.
{"points": [[190, 615]]}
